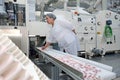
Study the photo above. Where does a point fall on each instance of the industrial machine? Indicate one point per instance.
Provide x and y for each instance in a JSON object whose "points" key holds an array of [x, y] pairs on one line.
{"points": [[3, 14], [86, 32], [12, 23], [91, 30], [15, 65], [93, 35], [98, 33], [89, 27], [76, 67], [108, 39]]}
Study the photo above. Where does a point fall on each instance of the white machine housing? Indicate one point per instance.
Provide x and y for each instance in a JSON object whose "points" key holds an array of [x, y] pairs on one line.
{"points": [[90, 30], [19, 36], [85, 25], [101, 19]]}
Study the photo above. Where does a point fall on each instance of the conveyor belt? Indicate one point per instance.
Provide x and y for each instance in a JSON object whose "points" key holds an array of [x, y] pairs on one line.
{"points": [[72, 72], [78, 68]]}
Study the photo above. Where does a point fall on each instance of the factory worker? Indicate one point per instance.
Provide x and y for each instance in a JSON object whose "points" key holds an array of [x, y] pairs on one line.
{"points": [[63, 33]]}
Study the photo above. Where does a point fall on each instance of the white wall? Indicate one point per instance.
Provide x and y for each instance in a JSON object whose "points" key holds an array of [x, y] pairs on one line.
{"points": [[38, 28]]}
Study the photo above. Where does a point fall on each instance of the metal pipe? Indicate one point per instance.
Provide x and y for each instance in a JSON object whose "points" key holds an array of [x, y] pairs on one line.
{"points": [[78, 4], [65, 5]]}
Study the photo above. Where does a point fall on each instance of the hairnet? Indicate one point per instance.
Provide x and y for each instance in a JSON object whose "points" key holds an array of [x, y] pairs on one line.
{"points": [[51, 15]]}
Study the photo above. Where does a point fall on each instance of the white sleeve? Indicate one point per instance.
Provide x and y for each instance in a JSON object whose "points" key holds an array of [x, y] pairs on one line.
{"points": [[49, 38]]}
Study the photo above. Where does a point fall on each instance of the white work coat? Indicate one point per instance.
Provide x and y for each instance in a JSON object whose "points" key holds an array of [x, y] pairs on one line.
{"points": [[62, 33]]}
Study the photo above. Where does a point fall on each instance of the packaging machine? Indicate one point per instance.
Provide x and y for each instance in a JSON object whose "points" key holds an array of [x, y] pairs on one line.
{"points": [[92, 32], [91, 28], [78, 68]]}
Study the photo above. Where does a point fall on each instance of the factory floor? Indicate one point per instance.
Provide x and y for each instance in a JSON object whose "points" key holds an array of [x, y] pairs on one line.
{"points": [[111, 59], [117, 79]]}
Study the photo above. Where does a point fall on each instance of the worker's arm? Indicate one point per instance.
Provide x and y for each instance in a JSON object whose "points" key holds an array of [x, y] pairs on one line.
{"points": [[46, 45]]}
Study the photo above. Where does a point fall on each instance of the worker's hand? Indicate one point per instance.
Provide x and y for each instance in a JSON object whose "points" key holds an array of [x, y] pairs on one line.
{"points": [[43, 47], [46, 45]]}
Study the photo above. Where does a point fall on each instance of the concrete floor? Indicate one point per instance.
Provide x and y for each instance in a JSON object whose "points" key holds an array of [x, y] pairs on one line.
{"points": [[111, 59], [117, 78]]}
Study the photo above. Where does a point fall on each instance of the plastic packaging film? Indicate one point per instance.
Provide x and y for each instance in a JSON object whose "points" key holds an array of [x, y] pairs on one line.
{"points": [[15, 65]]}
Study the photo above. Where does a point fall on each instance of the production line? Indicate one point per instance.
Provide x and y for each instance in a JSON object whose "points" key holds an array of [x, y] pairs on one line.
{"points": [[78, 68], [23, 30]]}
